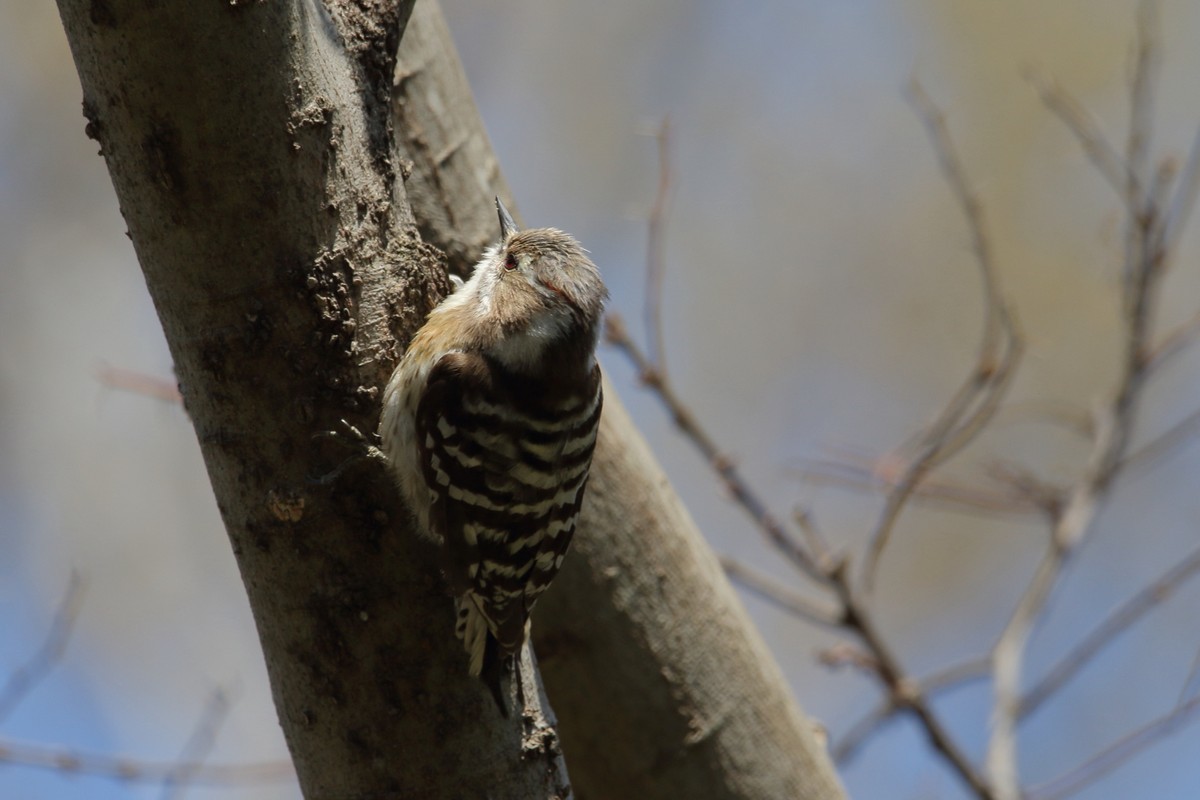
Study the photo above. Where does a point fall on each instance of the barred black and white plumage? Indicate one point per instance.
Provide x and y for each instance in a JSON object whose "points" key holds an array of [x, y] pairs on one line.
{"points": [[490, 421]]}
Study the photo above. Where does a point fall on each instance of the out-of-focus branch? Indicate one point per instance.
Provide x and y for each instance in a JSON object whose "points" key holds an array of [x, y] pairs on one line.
{"points": [[1152, 199], [973, 670], [905, 692], [1145, 260], [879, 477], [944, 680], [780, 596], [811, 556], [1100, 151], [1115, 754], [979, 396], [1180, 210], [198, 745], [1174, 437], [26, 677], [725, 467], [1185, 691], [1107, 631], [135, 382], [137, 771], [1174, 342]]}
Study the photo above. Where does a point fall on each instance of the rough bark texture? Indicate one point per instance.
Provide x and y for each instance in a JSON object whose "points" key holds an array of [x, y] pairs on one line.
{"points": [[250, 150], [662, 687]]}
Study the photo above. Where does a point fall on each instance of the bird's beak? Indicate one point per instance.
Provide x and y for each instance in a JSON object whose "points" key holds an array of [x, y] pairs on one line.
{"points": [[507, 226]]}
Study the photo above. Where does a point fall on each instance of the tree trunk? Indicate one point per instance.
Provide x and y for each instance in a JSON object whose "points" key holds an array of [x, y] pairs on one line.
{"points": [[251, 150]]}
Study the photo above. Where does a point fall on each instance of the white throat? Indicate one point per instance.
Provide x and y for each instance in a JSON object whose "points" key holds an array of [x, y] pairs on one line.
{"points": [[524, 351]]}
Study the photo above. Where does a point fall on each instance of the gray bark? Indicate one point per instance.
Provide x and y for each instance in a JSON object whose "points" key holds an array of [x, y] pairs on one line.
{"points": [[662, 686], [249, 147]]}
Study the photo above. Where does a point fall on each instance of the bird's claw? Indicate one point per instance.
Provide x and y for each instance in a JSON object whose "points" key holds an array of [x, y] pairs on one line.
{"points": [[350, 437]]}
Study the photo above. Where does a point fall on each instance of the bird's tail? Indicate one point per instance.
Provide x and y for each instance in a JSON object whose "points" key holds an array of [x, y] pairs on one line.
{"points": [[472, 627], [485, 658]]}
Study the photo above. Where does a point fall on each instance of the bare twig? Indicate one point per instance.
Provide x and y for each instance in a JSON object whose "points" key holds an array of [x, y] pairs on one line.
{"points": [[945, 494], [1180, 210], [1115, 754], [842, 655], [1107, 631], [1174, 342], [1065, 416], [781, 596], [904, 692], [1185, 691], [26, 677], [198, 745], [1141, 99], [135, 382], [953, 677], [1174, 437], [1113, 429], [812, 557], [136, 771], [818, 545], [722, 464], [979, 396], [1096, 146]]}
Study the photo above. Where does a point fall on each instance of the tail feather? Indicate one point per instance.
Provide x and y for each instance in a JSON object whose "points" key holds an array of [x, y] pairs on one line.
{"points": [[485, 658], [472, 627]]}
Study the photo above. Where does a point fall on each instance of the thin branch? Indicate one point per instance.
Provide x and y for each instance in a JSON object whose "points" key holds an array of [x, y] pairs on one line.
{"points": [[1180, 210], [945, 680], [1065, 416], [1113, 430], [25, 678], [1174, 437], [1141, 99], [1096, 146], [1107, 631], [904, 692], [618, 336], [781, 596], [818, 545], [198, 745], [1174, 342], [1189, 682], [1116, 754], [136, 771], [978, 397], [135, 382], [954, 496], [811, 557]]}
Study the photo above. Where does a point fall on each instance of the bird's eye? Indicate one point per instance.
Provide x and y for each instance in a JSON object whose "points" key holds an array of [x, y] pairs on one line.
{"points": [[510, 263]]}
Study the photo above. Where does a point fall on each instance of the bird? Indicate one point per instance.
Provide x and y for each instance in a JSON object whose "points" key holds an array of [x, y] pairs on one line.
{"points": [[489, 423]]}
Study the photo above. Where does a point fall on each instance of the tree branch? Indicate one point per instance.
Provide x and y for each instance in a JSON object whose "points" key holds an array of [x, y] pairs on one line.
{"points": [[813, 557], [57, 759], [1107, 631], [978, 397], [1144, 263], [1115, 754], [22, 680]]}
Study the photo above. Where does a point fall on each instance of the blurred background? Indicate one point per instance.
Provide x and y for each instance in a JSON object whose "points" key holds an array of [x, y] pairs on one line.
{"points": [[820, 301]]}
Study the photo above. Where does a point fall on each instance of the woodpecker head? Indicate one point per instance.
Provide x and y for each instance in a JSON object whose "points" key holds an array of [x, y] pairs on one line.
{"points": [[538, 297]]}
